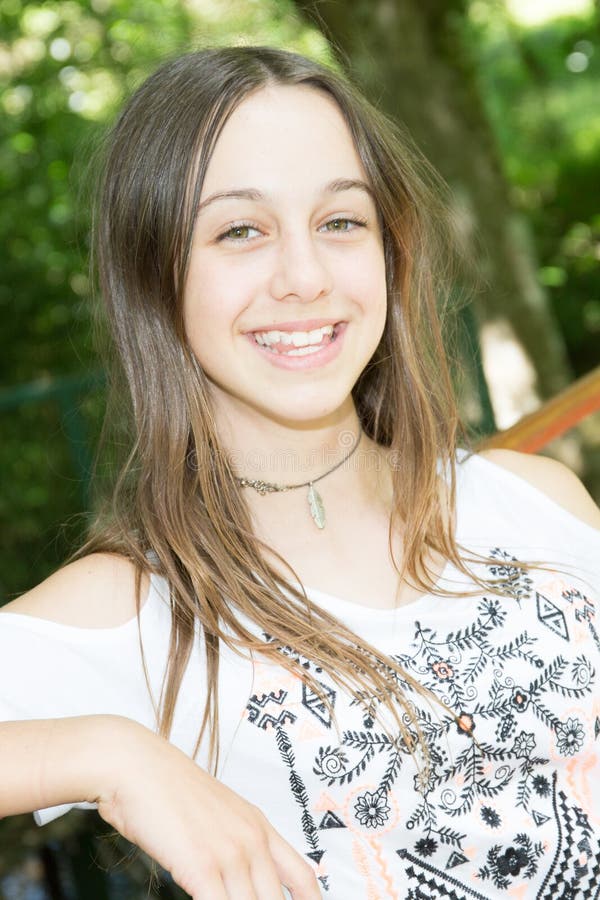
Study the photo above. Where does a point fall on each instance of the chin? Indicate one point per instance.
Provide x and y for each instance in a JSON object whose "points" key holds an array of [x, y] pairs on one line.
{"points": [[300, 406], [306, 415]]}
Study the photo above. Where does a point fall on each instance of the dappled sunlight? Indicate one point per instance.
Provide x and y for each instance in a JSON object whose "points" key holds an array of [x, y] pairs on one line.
{"points": [[537, 12], [509, 373], [512, 86]]}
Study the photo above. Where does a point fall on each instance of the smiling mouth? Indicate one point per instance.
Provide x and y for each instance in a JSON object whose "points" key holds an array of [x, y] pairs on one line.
{"points": [[288, 348]]}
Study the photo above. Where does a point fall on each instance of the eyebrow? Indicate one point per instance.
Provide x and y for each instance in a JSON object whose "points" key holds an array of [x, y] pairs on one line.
{"points": [[333, 187]]}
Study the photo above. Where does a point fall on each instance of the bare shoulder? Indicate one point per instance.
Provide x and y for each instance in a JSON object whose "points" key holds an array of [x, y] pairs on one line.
{"points": [[97, 591], [555, 479]]}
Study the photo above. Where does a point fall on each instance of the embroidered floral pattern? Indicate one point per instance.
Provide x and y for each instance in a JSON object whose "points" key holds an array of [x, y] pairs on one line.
{"points": [[514, 692], [465, 724], [490, 816], [426, 847], [514, 581], [372, 809], [569, 737], [518, 859], [442, 670], [541, 786], [524, 745], [520, 700]]}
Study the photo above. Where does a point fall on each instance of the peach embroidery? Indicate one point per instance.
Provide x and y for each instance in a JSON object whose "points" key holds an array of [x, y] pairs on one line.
{"points": [[442, 670], [385, 873], [583, 773]]}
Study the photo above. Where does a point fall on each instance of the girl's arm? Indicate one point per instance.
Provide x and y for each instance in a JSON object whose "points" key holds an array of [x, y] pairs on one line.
{"points": [[215, 844], [47, 762]]}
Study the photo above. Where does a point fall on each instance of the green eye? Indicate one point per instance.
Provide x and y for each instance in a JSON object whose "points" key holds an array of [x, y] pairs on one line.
{"points": [[338, 224], [238, 231], [241, 232], [341, 225]]}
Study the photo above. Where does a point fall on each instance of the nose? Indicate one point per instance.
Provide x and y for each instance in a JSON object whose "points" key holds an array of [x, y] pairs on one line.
{"points": [[301, 271]]}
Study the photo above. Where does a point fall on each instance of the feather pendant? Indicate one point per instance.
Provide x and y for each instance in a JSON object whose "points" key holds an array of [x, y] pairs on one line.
{"points": [[317, 510]]}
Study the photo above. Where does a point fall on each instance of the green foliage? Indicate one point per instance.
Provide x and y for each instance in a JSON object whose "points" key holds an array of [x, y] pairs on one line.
{"points": [[65, 68], [540, 85]]}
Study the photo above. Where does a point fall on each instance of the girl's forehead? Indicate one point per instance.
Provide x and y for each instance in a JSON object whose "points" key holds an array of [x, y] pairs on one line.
{"points": [[279, 133]]}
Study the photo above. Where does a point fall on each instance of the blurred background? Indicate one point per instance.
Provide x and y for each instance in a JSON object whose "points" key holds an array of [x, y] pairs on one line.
{"points": [[501, 96]]}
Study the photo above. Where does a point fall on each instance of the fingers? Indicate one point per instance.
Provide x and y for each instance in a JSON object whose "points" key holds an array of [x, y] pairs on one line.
{"points": [[266, 881], [243, 871], [257, 883], [292, 870], [212, 889], [239, 886], [215, 844], [249, 872]]}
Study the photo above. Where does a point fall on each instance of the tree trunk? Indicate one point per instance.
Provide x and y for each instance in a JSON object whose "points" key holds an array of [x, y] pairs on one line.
{"points": [[409, 58]]}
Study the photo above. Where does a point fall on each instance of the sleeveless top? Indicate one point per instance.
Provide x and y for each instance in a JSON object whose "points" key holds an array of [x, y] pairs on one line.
{"points": [[510, 804]]}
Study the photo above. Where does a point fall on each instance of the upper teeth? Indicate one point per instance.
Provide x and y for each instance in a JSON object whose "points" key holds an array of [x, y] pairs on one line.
{"points": [[297, 338]]}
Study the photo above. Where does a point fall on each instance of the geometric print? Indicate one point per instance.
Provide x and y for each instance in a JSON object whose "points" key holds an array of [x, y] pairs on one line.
{"points": [[552, 616], [510, 803], [575, 869], [432, 883]]}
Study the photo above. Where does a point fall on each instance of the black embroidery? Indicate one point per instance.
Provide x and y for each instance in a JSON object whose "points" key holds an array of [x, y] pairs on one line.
{"points": [[504, 864], [301, 797], [584, 612], [516, 583], [266, 720], [575, 869], [314, 703], [515, 682], [372, 809], [434, 883], [490, 816], [551, 616]]}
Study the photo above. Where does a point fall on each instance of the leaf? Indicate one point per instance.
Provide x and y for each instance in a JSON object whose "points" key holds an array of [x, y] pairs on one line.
{"points": [[475, 667], [449, 836], [317, 510], [523, 794], [417, 816]]}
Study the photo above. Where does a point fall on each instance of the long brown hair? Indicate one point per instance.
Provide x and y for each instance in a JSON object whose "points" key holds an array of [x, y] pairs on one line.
{"points": [[176, 507]]}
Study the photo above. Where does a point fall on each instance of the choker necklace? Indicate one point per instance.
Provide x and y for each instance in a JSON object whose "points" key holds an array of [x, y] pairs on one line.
{"points": [[315, 503]]}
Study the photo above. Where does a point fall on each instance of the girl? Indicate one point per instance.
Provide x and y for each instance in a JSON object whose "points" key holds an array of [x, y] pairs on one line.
{"points": [[310, 645]]}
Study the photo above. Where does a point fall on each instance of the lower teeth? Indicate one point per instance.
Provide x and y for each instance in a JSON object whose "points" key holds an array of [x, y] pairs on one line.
{"points": [[301, 351]]}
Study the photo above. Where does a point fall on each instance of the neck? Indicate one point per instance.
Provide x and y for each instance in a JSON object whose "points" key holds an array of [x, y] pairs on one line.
{"points": [[288, 454]]}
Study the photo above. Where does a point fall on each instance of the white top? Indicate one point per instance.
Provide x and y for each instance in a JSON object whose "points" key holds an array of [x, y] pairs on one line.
{"points": [[513, 813]]}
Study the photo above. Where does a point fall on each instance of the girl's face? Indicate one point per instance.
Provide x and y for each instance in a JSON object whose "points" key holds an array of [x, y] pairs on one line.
{"points": [[285, 297]]}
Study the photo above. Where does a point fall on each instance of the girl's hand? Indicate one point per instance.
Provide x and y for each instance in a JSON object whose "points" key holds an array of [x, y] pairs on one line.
{"points": [[215, 844]]}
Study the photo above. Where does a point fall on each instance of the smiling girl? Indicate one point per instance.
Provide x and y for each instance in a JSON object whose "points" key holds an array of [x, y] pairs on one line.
{"points": [[311, 644]]}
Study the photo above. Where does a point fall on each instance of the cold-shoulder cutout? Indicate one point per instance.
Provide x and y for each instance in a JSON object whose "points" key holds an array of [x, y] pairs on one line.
{"points": [[552, 478], [97, 591]]}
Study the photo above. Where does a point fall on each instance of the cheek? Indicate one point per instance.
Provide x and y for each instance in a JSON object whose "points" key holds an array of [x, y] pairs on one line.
{"points": [[214, 297], [363, 279]]}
